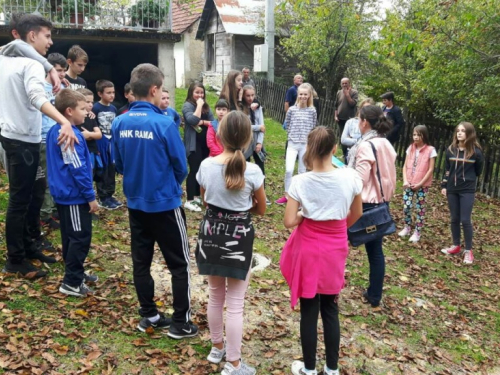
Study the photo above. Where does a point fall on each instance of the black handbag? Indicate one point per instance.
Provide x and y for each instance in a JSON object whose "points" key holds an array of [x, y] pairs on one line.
{"points": [[376, 221]]}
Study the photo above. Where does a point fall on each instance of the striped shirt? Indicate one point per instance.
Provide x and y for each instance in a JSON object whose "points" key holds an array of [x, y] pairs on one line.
{"points": [[300, 121]]}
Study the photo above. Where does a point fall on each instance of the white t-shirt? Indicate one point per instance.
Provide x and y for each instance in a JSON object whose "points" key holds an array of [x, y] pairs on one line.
{"points": [[210, 176], [326, 195]]}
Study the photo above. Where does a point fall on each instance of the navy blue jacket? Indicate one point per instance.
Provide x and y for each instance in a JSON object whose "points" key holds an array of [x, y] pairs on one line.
{"points": [[150, 154], [69, 183]]}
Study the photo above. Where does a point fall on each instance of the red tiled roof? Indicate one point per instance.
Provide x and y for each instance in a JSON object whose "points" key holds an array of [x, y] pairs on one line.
{"points": [[185, 13]]}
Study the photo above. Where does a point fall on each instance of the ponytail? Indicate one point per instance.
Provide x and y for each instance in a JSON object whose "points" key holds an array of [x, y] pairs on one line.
{"points": [[376, 118], [235, 134]]}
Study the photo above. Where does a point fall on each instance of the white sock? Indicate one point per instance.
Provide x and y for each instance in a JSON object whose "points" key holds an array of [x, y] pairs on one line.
{"points": [[155, 318]]}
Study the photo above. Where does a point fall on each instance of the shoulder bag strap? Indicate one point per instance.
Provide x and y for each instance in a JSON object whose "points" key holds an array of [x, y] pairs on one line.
{"points": [[378, 170]]}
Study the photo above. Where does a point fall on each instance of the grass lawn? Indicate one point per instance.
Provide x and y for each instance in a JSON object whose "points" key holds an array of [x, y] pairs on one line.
{"points": [[438, 315]]}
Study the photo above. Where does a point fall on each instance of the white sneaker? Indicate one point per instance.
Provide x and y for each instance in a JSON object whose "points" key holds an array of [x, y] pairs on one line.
{"points": [[197, 200], [468, 257], [216, 355], [405, 232], [244, 369], [327, 371], [415, 237], [299, 369], [191, 206]]}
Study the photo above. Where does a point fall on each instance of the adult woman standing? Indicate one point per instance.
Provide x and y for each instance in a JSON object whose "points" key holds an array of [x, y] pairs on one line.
{"points": [[374, 126], [197, 118]]}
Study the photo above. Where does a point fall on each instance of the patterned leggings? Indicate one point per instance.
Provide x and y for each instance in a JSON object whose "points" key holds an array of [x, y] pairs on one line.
{"points": [[408, 195]]}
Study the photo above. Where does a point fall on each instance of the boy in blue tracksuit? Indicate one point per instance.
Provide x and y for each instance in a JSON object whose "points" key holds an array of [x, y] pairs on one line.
{"points": [[151, 156], [70, 184]]}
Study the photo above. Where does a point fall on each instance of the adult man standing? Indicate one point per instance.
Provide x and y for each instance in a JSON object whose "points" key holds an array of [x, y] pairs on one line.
{"points": [[247, 80], [291, 93], [345, 106], [22, 97], [394, 113]]}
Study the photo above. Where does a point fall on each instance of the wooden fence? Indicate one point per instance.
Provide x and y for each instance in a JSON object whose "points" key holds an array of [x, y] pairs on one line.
{"points": [[272, 97]]}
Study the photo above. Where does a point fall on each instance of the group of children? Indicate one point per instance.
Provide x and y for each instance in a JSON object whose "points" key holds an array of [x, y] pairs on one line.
{"points": [[143, 144]]}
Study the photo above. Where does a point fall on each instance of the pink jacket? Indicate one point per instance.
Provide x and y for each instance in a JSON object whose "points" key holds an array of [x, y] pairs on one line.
{"points": [[367, 169], [422, 166], [213, 143]]}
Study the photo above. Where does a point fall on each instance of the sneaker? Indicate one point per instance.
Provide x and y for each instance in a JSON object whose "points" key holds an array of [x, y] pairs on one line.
{"points": [[327, 371], [77, 291], [367, 299], [415, 237], [116, 202], [191, 206], [405, 232], [43, 244], [282, 200], [163, 322], [268, 202], [468, 257], [216, 355], [108, 204], [183, 331], [197, 200], [25, 268], [299, 369], [41, 257], [453, 250], [244, 369], [88, 278], [50, 223]]}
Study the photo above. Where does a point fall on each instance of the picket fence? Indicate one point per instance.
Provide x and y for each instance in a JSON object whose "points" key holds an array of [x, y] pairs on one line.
{"points": [[272, 97]]}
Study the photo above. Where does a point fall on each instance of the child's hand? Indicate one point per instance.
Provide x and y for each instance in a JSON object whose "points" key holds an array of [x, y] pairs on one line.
{"points": [[93, 206], [200, 102], [91, 115], [406, 185], [415, 187], [263, 128], [86, 134], [254, 106], [443, 191], [258, 148]]}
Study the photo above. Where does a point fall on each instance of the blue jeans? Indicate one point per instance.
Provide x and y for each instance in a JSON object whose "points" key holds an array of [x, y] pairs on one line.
{"points": [[377, 270]]}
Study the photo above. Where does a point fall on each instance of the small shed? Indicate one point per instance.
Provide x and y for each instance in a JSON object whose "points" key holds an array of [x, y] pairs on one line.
{"points": [[229, 30]]}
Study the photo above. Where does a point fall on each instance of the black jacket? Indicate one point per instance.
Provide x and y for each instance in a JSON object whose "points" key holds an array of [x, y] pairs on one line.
{"points": [[396, 116]]}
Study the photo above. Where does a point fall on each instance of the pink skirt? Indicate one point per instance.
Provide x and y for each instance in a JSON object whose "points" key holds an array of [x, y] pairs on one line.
{"points": [[313, 258]]}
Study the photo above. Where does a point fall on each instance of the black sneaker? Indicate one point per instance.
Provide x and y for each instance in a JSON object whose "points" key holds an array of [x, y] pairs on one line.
{"points": [[367, 299], [77, 291], [41, 257], [41, 243], [88, 278], [50, 223], [25, 268], [182, 331], [163, 322], [116, 202]]}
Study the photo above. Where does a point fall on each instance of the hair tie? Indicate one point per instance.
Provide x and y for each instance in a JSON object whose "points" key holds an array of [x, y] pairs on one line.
{"points": [[236, 149]]}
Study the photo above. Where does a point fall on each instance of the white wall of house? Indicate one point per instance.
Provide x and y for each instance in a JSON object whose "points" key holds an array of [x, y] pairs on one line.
{"points": [[179, 62]]}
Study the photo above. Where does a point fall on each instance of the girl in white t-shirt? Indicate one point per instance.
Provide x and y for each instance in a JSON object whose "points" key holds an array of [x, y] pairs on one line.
{"points": [[313, 259], [232, 190], [417, 178]]}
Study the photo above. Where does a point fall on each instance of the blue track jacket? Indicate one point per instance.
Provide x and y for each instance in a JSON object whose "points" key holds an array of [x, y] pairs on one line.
{"points": [[150, 154], [69, 183]]}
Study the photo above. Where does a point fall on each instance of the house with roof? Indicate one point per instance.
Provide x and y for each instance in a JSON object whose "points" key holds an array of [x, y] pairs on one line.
{"points": [[189, 53], [116, 38], [228, 29]]}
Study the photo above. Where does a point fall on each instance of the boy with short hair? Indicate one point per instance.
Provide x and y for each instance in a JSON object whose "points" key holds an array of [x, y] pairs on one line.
{"points": [[150, 154], [105, 114], [22, 86], [129, 95], [90, 130], [71, 186], [164, 106], [60, 64], [394, 113], [213, 144], [77, 61]]}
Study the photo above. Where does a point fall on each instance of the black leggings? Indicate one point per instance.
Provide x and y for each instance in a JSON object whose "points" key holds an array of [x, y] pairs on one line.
{"points": [[460, 205], [309, 312], [194, 160]]}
